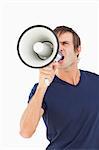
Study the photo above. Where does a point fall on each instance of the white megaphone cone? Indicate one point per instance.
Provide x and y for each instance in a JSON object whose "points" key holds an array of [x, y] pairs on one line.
{"points": [[38, 46], [44, 50]]}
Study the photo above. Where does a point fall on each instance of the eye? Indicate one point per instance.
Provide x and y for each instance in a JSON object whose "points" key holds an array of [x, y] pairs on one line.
{"points": [[65, 43]]}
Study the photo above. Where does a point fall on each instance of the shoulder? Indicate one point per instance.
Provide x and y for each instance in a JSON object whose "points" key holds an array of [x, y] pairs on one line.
{"points": [[91, 75], [35, 85], [33, 89]]}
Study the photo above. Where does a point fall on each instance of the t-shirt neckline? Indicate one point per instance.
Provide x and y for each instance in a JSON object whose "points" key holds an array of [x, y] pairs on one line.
{"points": [[67, 83]]}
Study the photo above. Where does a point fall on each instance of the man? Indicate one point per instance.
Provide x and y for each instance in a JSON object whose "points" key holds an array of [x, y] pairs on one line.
{"points": [[69, 105]]}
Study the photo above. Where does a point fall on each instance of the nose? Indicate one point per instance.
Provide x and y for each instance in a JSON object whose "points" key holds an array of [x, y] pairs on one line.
{"points": [[60, 47]]}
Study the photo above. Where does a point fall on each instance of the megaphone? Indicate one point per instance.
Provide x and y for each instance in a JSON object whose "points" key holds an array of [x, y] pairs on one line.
{"points": [[38, 46]]}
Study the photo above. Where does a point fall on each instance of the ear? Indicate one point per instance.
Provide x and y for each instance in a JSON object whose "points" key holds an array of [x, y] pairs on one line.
{"points": [[78, 50]]}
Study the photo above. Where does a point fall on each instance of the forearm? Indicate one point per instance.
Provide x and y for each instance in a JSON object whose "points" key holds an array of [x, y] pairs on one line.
{"points": [[31, 115]]}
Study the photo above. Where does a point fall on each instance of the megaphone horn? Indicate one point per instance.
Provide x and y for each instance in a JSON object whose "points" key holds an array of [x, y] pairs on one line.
{"points": [[38, 46]]}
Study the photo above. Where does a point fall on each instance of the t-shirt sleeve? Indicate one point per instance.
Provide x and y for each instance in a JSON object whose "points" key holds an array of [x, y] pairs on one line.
{"points": [[32, 92]]}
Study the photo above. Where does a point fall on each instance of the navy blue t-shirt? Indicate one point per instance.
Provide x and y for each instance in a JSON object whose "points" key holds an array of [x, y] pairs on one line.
{"points": [[71, 113]]}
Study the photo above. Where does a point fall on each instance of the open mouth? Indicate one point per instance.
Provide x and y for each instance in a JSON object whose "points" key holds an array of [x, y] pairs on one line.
{"points": [[62, 58], [59, 57]]}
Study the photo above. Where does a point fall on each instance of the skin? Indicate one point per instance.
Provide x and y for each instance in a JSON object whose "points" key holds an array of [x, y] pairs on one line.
{"points": [[65, 69]]}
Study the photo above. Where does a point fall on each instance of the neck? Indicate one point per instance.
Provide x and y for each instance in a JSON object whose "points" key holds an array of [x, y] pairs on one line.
{"points": [[70, 75]]}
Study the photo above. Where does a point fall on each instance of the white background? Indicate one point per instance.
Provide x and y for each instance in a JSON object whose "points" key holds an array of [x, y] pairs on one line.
{"points": [[18, 79]]}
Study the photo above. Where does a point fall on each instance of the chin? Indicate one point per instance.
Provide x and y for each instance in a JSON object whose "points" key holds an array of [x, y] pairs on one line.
{"points": [[64, 66], [61, 67]]}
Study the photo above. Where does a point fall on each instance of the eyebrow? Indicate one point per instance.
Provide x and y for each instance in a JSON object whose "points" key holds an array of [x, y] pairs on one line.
{"points": [[64, 42]]}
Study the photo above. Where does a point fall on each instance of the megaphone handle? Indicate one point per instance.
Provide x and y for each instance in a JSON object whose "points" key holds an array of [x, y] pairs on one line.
{"points": [[47, 82]]}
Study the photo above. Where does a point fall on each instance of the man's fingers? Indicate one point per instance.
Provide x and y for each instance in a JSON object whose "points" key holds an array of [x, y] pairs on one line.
{"points": [[55, 65]]}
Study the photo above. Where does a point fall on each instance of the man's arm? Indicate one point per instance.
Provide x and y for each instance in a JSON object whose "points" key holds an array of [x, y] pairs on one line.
{"points": [[34, 111], [32, 114]]}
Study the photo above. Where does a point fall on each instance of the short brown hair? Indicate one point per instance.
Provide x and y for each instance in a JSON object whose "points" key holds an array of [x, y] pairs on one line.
{"points": [[63, 29]]}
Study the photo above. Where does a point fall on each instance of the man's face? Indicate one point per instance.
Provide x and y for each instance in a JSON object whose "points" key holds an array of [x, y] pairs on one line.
{"points": [[66, 47]]}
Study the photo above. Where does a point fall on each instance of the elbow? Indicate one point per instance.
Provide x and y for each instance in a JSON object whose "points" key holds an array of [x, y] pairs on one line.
{"points": [[26, 134]]}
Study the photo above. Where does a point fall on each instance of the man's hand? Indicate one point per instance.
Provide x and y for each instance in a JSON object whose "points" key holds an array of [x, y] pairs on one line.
{"points": [[46, 75]]}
